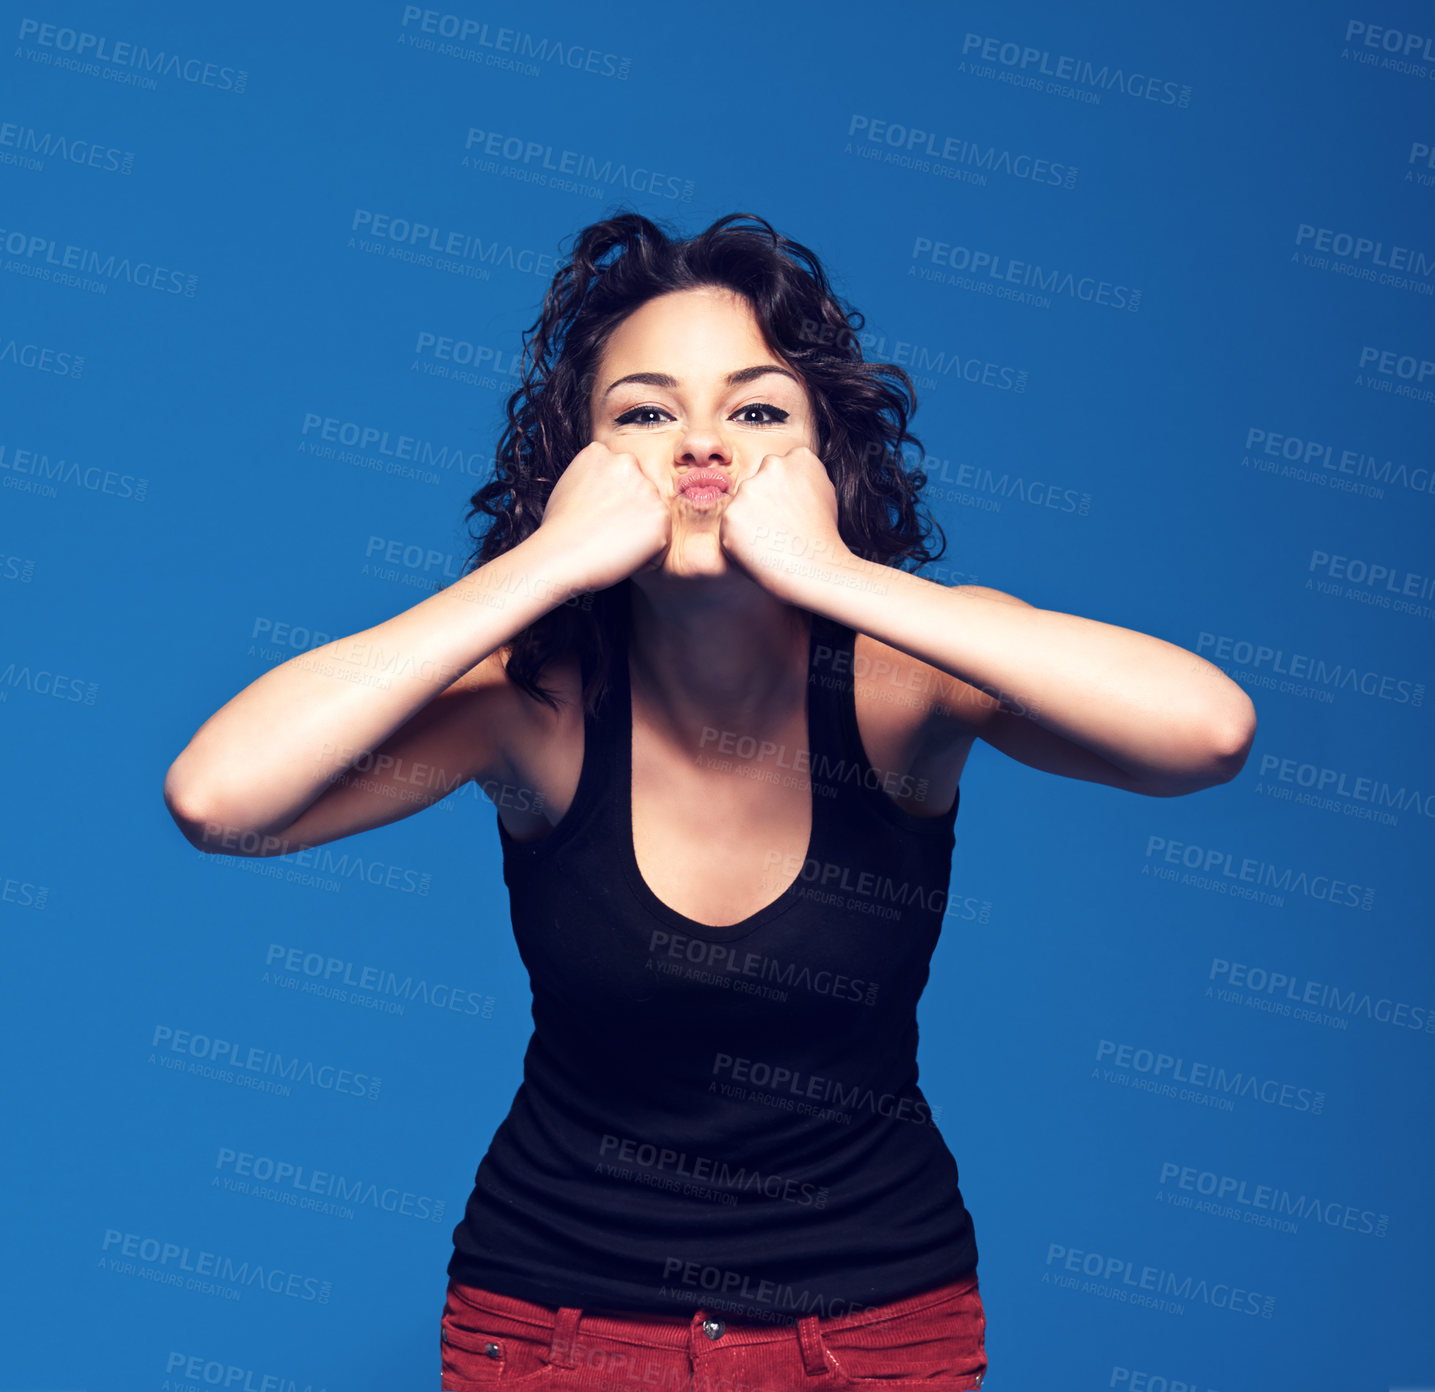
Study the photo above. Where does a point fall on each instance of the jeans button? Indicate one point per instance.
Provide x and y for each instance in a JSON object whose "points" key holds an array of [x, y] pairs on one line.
{"points": [[713, 1328], [491, 1350]]}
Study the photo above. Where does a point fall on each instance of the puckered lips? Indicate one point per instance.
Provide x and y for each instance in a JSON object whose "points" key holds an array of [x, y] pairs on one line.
{"points": [[703, 485]]}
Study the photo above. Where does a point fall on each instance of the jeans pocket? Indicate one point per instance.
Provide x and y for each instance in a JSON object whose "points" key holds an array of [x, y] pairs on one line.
{"points": [[479, 1348], [942, 1346]]}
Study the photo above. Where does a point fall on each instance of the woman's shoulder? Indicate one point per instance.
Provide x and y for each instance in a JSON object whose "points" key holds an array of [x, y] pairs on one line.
{"points": [[510, 723], [532, 750], [910, 696]]}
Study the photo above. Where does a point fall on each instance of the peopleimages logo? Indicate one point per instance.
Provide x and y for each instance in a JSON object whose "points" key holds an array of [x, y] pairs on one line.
{"points": [[826, 772], [230, 1062], [788, 1083], [1378, 584], [1153, 1281], [200, 1371], [468, 354], [445, 248], [33, 471], [1317, 461], [621, 1151], [40, 357], [1390, 362], [722, 963], [1352, 246], [728, 1290], [24, 894], [44, 682], [1421, 151], [43, 258], [1394, 373], [994, 269], [926, 151], [1212, 1078], [541, 163], [173, 1258], [124, 59], [1364, 258], [1395, 50], [1366, 795], [320, 1191], [928, 365], [1139, 1380], [1264, 658], [27, 142], [990, 488], [1262, 1205], [1025, 66], [1284, 990], [1238, 871], [328, 974], [504, 47], [829, 874], [378, 442]]}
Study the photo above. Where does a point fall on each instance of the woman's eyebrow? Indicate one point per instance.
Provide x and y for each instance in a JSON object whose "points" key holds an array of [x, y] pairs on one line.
{"points": [[734, 379], [747, 374]]}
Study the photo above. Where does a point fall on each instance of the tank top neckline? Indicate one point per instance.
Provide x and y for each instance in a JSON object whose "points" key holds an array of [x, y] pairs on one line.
{"points": [[819, 736], [605, 789]]}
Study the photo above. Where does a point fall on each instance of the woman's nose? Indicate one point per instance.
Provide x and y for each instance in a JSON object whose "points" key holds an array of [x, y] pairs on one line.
{"points": [[703, 444]]}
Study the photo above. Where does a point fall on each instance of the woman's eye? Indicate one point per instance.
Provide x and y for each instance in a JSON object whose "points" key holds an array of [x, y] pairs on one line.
{"points": [[638, 414], [776, 415], [758, 413]]}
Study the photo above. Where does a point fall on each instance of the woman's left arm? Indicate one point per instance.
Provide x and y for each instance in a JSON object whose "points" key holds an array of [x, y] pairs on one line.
{"points": [[1173, 722], [1072, 695]]}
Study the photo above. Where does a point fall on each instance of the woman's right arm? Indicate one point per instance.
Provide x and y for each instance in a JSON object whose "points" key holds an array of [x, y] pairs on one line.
{"points": [[423, 692]]}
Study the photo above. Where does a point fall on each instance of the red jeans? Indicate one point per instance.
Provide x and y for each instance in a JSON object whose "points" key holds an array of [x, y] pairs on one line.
{"points": [[934, 1341]]}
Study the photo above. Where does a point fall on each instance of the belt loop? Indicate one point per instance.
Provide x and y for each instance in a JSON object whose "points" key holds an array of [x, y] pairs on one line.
{"points": [[565, 1335], [809, 1336]]}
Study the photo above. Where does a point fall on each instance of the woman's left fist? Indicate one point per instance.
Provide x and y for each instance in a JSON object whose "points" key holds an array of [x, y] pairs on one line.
{"points": [[782, 518]]}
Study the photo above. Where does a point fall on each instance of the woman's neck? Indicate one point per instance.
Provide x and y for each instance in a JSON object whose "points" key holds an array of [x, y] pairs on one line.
{"points": [[717, 654]]}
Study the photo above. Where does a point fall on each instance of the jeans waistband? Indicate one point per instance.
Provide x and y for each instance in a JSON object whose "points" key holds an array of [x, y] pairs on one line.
{"points": [[684, 1330]]}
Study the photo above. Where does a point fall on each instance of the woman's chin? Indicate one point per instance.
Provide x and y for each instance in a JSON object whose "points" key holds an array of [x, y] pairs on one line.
{"points": [[696, 556]]}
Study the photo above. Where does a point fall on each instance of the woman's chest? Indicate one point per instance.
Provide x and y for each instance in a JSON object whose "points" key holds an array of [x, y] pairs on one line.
{"points": [[722, 823]]}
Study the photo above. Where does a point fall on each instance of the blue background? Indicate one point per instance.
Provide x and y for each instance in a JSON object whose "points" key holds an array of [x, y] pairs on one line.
{"points": [[1099, 461]]}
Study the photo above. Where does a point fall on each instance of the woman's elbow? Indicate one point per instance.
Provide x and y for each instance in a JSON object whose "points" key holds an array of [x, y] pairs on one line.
{"points": [[1233, 737]]}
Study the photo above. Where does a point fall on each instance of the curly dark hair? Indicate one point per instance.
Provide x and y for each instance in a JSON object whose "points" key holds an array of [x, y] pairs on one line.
{"points": [[617, 265]]}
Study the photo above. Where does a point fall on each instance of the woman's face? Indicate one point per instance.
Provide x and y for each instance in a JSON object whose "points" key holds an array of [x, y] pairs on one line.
{"points": [[709, 395]]}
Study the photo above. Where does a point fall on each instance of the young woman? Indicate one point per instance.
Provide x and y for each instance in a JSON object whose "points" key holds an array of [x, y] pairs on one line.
{"points": [[724, 730]]}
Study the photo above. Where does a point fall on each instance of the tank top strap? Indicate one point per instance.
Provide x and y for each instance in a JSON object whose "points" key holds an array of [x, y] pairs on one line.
{"points": [[836, 753], [603, 734], [608, 735], [829, 680], [841, 770]]}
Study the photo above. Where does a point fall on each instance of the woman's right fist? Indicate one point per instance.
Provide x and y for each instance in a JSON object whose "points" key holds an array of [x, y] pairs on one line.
{"points": [[607, 518]]}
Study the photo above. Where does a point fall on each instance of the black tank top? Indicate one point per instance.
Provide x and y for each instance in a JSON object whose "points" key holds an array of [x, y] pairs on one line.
{"points": [[725, 1116]]}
